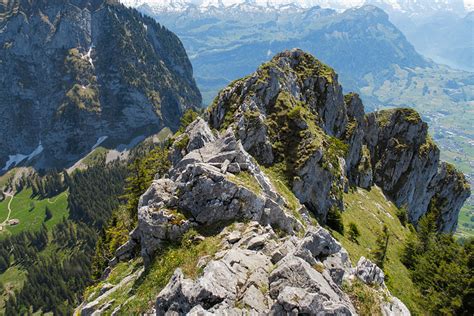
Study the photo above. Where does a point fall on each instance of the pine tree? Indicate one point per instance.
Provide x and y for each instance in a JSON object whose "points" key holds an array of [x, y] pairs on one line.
{"points": [[380, 252], [48, 214], [353, 232], [334, 220]]}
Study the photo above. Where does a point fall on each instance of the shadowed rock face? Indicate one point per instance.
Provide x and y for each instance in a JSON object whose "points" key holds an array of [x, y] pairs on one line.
{"points": [[74, 71], [291, 113]]}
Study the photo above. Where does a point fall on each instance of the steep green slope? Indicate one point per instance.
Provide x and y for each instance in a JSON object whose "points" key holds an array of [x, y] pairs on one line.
{"points": [[370, 211]]}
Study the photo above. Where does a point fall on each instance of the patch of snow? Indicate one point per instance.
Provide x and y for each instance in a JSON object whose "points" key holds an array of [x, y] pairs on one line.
{"points": [[14, 160], [36, 152], [145, 26], [87, 56], [406, 6], [100, 140]]}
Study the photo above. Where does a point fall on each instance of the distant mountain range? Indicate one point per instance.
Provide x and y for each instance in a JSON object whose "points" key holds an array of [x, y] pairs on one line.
{"points": [[440, 30], [415, 7]]}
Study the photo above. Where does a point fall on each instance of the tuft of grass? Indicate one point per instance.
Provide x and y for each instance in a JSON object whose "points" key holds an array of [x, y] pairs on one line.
{"points": [[279, 181], [318, 267], [365, 299], [246, 179], [183, 142]]}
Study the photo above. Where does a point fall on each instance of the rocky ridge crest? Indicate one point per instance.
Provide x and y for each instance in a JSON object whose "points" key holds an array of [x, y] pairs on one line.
{"points": [[292, 112], [289, 118], [273, 256]]}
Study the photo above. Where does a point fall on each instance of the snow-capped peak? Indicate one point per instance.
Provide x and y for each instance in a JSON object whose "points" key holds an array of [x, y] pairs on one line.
{"points": [[160, 5], [407, 6]]}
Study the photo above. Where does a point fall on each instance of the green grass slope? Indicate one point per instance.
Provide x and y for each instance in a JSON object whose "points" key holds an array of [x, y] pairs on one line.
{"points": [[31, 212], [370, 210]]}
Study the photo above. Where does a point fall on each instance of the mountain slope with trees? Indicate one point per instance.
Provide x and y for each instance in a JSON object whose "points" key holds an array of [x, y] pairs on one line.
{"points": [[76, 74]]}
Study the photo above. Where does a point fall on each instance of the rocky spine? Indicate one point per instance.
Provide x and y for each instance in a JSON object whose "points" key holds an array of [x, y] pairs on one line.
{"points": [[291, 118]]}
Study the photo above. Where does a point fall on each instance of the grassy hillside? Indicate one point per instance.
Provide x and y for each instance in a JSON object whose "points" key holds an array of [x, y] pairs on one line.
{"points": [[31, 212], [370, 210]]}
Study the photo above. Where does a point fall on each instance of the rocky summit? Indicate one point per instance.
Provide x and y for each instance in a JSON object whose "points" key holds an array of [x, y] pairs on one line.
{"points": [[291, 114], [262, 173], [76, 73]]}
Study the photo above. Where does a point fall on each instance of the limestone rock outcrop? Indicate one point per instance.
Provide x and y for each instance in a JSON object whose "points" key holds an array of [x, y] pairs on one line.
{"points": [[242, 278], [291, 113], [272, 260], [281, 146], [215, 182]]}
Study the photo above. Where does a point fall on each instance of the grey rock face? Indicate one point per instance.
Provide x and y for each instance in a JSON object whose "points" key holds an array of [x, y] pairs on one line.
{"points": [[394, 307], [64, 83], [292, 112], [372, 275], [197, 135], [292, 79], [240, 280], [450, 189], [313, 186], [202, 190], [368, 272], [242, 277], [406, 165]]}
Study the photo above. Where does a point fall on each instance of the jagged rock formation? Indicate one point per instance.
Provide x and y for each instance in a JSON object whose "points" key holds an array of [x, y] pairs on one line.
{"points": [[264, 274], [291, 117], [74, 73], [292, 112], [407, 167], [256, 270], [217, 182]]}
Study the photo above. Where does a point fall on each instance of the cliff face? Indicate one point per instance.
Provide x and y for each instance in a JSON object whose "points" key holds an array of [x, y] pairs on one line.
{"points": [[74, 73], [291, 114]]}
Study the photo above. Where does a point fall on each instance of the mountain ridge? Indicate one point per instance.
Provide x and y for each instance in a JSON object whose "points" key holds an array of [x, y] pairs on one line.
{"points": [[410, 7], [76, 84], [370, 54], [235, 224]]}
